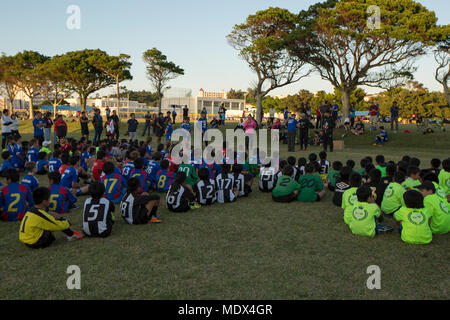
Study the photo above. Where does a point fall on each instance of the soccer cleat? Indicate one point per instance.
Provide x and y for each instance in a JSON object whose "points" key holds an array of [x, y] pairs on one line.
{"points": [[76, 236], [195, 206], [154, 220]]}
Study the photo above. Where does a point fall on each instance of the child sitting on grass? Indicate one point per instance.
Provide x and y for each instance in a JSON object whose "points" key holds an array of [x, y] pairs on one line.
{"points": [[349, 197], [333, 175], [381, 137], [139, 209], [412, 180], [413, 219], [15, 198], [312, 187], [205, 189], [444, 177], [29, 180], [393, 195], [61, 199], [37, 225], [98, 212], [438, 208], [180, 197], [42, 163], [267, 178], [243, 182], [286, 189], [6, 165], [364, 214]]}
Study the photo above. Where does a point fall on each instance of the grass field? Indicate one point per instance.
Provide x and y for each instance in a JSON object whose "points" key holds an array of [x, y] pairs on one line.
{"points": [[251, 249]]}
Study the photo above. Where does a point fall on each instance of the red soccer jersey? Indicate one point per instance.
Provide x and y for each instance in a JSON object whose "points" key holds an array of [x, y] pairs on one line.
{"points": [[63, 168], [97, 169]]}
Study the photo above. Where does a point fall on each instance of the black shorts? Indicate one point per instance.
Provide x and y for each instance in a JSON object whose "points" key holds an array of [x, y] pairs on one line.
{"points": [[247, 189], [184, 207], [288, 198], [142, 215], [159, 132], [44, 241]]}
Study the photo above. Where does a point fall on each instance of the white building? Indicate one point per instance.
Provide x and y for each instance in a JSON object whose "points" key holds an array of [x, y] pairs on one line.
{"points": [[209, 100]]}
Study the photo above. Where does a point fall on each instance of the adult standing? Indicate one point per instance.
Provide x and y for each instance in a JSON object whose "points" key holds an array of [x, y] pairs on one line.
{"points": [[97, 121], [271, 115], [160, 127], [324, 108], [249, 130], [352, 116], [132, 128], [6, 127], [14, 125], [147, 126], [48, 126], [174, 115], [335, 110], [116, 121], [318, 117], [285, 115], [84, 123], [185, 112], [108, 111], [394, 116], [38, 125], [304, 124], [373, 112], [292, 124], [203, 125], [328, 128], [60, 127]]}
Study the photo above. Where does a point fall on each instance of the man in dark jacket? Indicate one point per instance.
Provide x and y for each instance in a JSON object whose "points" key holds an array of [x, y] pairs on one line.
{"points": [[328, 128], [97, 121]]}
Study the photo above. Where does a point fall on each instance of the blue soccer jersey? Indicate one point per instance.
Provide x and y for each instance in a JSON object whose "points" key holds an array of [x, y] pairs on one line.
{"points": [[169, 131], [15, 200], [186, 126], [30, 182], [40, 165], [6, 165], [153, 167], [85, 156], [61, 199], [126, 170], [69, 176], [163, 180], [32, 155], [143, 177], [54, 164], [148, 150], [114, 187]]}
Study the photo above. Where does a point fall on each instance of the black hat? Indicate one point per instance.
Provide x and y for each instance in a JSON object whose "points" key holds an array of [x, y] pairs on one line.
{"points": [[427, 185]]}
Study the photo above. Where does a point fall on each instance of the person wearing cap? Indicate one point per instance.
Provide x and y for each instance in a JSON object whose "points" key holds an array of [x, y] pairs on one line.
{"points": [[438, 207], [39, 124], [45, 148]]}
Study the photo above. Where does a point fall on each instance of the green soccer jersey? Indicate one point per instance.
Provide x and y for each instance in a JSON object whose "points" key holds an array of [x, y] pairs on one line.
{"points": [[410, 183], [444, 181], [361, 171], [253, 169], [332, 176], [310, 184], [440, 213], [191, 176], [392, 198], [285, 186], [415, 228], [363, 218], [383, 170], [439, 191], [349, 198]]}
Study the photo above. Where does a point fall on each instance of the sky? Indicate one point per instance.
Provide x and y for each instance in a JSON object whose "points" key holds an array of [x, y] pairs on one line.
{"points": [[190, 33]]}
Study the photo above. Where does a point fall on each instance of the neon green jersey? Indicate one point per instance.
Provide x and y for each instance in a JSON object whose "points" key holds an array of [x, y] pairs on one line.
{"points": [[349, 199], [191, 176], [285, 186], [410, 183], [363, 218], [439, 191], [383, 170], [415, 227], [392, 198], [444, 181], [310, 184], [46, 150], [440, 212]]}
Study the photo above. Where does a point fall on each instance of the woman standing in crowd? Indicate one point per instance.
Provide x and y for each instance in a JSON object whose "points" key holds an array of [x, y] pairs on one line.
{"points": [[249, 129], [6, 127], [48, 126], [15, 125]]}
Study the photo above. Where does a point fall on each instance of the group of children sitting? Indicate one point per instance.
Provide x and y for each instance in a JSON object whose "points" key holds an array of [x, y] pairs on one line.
{"points": [[132, 175], [416, 198]]}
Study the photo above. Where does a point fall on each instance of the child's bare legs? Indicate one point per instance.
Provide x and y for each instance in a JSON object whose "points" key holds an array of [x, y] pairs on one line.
{"points": [[321, 193]]}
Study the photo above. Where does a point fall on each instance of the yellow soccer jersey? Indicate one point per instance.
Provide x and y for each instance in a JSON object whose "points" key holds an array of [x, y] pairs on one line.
{"points": [[35, 222]]}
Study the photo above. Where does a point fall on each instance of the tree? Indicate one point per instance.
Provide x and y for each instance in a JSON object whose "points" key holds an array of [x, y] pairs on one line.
{"points": [[82, 76], [117, 67], [261, 42], [160, 71], [53, 83], [25, 65], [442, 74], [349, 52], [235, 94], [8, 79]]}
